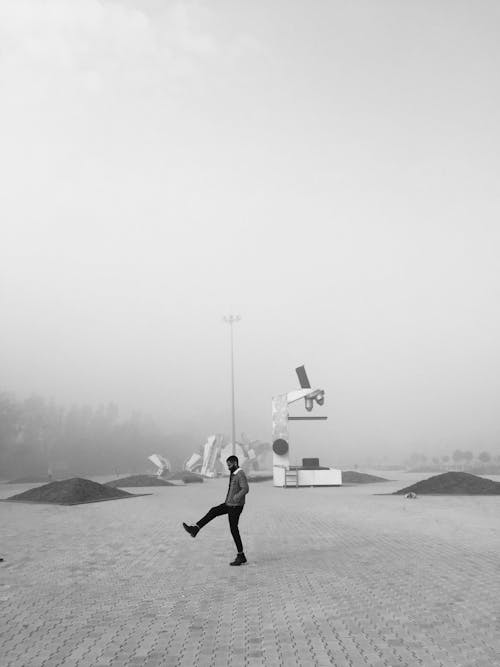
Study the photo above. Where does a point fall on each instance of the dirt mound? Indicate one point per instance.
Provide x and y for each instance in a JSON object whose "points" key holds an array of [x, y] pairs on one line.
{"points": [[354, 477], [139, 480], [458, 483], [262, 477], [71, 492], [189, 477]]}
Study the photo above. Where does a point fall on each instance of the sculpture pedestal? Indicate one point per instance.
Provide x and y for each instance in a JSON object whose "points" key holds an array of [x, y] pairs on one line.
{"points": [[307, 477]]}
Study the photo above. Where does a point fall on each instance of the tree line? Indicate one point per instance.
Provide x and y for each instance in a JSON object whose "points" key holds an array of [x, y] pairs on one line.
{"points": [[37, 436], [458, 459]]}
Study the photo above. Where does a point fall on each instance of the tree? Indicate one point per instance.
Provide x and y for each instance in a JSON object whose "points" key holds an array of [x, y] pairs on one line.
{"points": [[38, 436], [468, 456], [457, 456], [414, 460], [10, 426], [484, 457]]}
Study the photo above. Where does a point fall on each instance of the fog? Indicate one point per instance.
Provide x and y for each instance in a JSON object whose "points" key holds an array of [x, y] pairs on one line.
{"points": [[328, 171]]}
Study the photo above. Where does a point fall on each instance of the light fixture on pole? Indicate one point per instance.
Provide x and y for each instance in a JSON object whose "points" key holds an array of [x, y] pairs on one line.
{"points": [[231, 319]]}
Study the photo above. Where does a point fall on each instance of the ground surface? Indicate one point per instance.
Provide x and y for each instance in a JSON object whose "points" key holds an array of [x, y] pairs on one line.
{"points": [[336, 576]]}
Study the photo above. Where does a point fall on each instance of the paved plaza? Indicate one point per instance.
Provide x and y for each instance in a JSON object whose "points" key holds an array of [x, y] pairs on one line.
{"points": [[336, 576]]}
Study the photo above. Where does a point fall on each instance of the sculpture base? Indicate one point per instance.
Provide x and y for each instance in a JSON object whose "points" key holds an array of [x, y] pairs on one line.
{"points": [[297, 477]]}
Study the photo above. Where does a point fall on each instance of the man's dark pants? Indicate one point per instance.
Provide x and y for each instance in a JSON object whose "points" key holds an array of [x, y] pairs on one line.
{"points": [[233, 513]]}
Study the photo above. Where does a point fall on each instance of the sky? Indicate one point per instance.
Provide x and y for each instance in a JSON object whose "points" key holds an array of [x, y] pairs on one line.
{"points": [[328, 171]]}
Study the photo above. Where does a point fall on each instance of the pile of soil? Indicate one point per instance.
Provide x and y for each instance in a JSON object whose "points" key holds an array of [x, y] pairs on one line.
{"points": [[177, 474], [71, 492], [354, 477], [190, 477], [139, 480], [256, 477], [457, 483]]}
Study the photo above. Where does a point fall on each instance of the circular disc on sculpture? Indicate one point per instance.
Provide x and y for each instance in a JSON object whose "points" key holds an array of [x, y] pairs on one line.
{"points": [[280, 447]]}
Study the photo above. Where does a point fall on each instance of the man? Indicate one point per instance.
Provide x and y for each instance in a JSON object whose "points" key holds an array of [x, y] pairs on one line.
{"points": [[232, 506]]}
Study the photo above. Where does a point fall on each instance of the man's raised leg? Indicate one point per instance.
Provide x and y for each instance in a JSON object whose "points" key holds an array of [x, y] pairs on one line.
{"points": [[213, 512]]}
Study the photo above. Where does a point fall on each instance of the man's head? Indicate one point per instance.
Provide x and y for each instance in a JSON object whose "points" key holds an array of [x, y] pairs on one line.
{"points": [[232, 463]]}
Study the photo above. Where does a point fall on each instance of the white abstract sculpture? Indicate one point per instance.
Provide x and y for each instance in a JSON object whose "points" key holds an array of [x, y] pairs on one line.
{"points": [[161, 463], [281, 447]]}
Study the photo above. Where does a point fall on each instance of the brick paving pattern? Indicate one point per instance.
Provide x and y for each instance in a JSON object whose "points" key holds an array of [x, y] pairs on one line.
{"points": [[337, 576]]}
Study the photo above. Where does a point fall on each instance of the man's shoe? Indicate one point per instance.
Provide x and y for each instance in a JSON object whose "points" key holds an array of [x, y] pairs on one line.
{"points": [[239, 560], [192, 530]]}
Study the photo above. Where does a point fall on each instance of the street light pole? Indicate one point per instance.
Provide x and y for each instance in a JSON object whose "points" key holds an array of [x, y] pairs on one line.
{"points": [[231, 319]]}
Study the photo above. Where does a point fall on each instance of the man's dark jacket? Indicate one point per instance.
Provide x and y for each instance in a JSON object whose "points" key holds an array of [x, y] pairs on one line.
{"points": [[238, 488]]}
